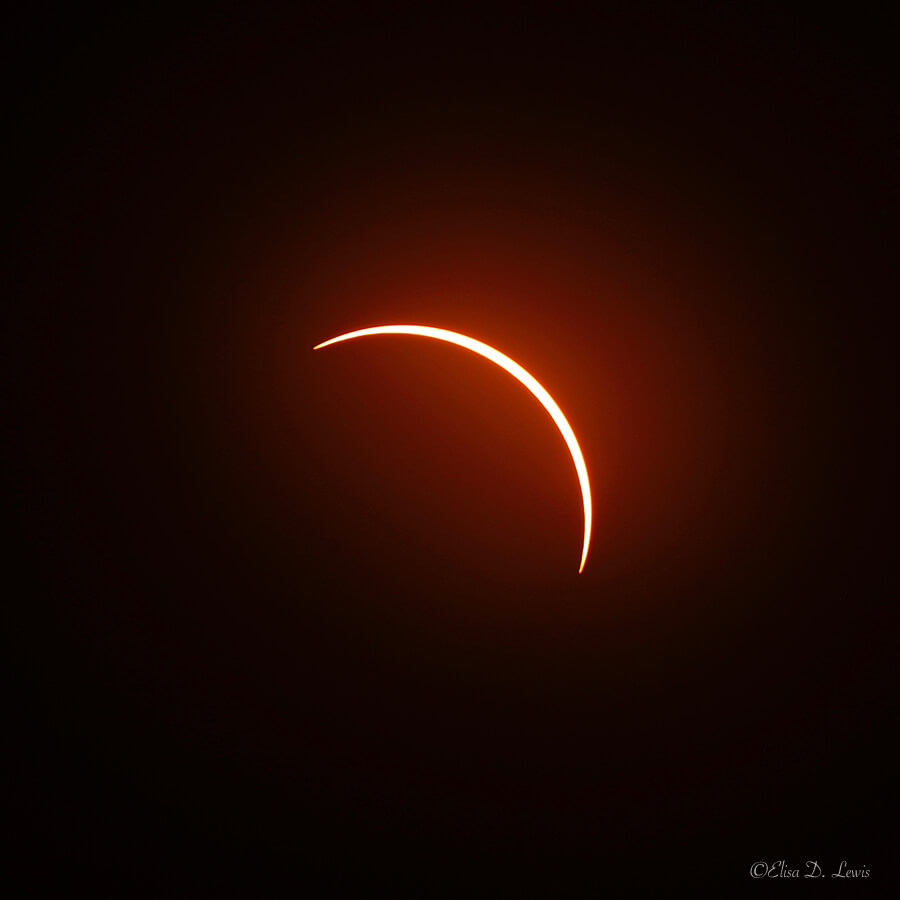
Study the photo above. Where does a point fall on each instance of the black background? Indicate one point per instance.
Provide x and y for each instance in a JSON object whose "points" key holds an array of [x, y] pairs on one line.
{"points": [[275, 621]]}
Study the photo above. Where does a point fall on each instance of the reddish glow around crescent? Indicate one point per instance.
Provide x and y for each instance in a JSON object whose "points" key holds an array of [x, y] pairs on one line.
{"points": [[516, 371]]}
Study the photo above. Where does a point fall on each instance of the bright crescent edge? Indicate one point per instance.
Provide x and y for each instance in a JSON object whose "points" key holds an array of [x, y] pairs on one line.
{"points": [[517, 372]]}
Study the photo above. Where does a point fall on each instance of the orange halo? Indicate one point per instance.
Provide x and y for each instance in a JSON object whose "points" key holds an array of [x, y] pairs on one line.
{"points": [[516, 371]]}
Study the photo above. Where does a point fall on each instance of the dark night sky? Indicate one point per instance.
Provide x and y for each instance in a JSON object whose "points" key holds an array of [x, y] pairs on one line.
{"points": [[280, 616]]}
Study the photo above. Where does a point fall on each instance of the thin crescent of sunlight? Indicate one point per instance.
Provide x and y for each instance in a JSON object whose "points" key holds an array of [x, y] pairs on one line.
{"points": [[516, 371]]}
